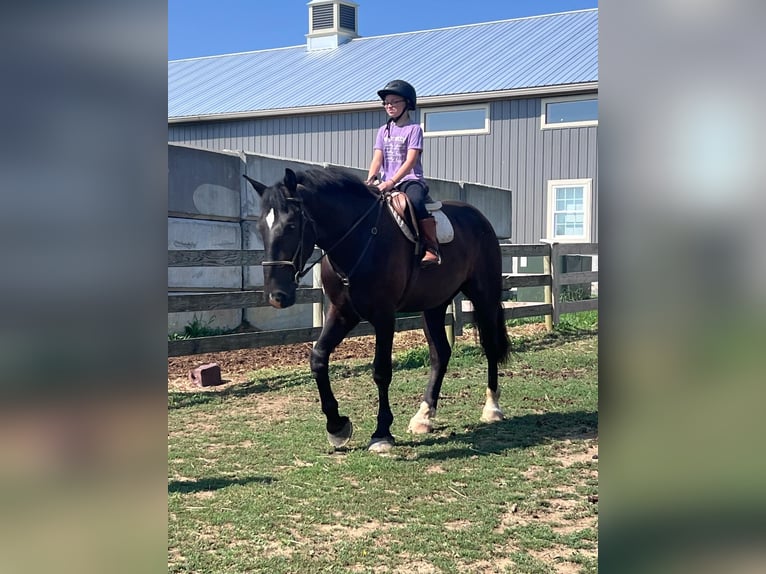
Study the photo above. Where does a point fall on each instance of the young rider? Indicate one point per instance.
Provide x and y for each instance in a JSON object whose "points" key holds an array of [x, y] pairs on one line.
{"points": [[398, 147]]}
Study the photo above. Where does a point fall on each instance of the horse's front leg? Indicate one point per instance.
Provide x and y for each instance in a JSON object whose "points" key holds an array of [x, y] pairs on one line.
{"points": [[382, 440], [440, 353], [337, 325]]}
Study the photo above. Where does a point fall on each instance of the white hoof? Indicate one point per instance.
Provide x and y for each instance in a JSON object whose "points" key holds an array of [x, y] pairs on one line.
{"points": [[492, 415], [421, 423], [381, 446], [491, 412], [420, 427]]}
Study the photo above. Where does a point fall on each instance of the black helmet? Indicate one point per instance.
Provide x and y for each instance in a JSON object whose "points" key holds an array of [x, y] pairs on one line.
{"points": [[400, 88]]}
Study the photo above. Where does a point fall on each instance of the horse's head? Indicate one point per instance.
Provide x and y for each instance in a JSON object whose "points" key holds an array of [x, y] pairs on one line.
{"points": [[288, 238]]}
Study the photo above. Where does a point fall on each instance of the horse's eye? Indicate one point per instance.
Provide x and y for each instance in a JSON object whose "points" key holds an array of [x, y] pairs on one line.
{"points": [[290, 227]]}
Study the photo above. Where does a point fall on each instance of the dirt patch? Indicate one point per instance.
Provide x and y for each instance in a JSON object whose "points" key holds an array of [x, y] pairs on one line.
{"points": [[557, 559], [457, 525], [343, 532], [237, 365], [588, 456]]}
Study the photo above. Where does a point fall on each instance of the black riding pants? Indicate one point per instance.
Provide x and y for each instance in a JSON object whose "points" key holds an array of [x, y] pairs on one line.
{"points": [[417, 191]]}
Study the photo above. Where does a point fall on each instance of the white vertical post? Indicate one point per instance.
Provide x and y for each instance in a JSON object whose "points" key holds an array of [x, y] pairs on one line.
{"points": [[450, 328], [547, 290], [318, 308], [555, 285]]}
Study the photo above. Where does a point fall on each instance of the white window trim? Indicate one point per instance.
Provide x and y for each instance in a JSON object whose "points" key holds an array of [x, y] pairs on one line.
{"points": [[545, 101], [472, 131], [587, 185]]}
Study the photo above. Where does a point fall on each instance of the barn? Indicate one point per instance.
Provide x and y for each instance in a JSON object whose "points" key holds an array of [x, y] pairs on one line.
{"points": [[510, 104]]}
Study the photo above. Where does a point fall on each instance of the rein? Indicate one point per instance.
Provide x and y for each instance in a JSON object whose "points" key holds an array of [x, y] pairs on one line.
{"points": [[380, 199]]}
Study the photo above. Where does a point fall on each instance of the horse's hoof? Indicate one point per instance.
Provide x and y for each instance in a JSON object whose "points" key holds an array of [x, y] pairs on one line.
{"points": [[341, 439], [492, 415], [381, 445], [420, 427], [421, 423]]}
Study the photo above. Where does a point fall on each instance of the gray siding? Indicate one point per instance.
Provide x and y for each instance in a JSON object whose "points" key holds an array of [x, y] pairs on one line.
{"points": [[515, 155]]}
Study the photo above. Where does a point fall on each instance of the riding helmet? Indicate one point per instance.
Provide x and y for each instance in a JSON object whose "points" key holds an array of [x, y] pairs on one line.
{"points": [[400, 88]]}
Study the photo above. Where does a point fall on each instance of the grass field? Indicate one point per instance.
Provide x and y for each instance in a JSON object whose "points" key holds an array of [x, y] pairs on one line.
{"points": [[254, 486]]}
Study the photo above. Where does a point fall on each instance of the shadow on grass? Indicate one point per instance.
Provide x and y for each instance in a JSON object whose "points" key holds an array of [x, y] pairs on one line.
{"points": [[187, 486], [555, 339], [513, 433]]}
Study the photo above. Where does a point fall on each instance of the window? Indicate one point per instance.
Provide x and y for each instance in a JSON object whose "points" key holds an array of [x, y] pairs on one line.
{"points": [[456, 120], [569, 111], [569, 207]]}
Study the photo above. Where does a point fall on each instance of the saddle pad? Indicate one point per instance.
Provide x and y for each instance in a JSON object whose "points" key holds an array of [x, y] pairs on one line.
{"points": [[444, 230]]}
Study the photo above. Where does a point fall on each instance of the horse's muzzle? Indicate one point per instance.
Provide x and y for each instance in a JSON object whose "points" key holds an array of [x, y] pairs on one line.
{"points": [[280, 299]]}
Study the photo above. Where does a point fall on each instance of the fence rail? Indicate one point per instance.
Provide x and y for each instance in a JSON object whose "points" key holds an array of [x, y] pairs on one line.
{"points": [[459, 313]]}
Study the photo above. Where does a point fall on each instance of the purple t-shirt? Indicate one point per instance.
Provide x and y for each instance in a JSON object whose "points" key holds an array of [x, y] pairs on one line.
{"points": [[394, 145]]}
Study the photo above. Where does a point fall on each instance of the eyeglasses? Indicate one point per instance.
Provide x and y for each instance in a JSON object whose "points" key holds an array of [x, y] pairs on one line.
{"points": [[392, 103]]}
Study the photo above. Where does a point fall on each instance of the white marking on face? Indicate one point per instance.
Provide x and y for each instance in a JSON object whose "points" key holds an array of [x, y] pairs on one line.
{"points": [[270, 218]]}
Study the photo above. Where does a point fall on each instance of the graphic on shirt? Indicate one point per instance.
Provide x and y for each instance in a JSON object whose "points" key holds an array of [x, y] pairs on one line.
{"points": [[395, 149]]}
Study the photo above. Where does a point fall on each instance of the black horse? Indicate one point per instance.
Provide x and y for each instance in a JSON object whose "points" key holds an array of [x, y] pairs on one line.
{"points": [[371, 272]]}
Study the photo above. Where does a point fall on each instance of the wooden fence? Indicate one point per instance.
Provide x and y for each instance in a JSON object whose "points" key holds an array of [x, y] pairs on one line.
{"points": [[459, 313]]}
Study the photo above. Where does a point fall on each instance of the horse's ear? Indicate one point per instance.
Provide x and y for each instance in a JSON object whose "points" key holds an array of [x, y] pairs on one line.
{"points": [[257, 185], [291, 182]]}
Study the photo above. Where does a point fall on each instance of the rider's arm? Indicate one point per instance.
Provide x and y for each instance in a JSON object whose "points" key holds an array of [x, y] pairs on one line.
{"points": [[375, 164]]}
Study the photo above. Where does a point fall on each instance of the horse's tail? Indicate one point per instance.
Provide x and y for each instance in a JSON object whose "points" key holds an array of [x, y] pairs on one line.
{"points": [[494, 336]]}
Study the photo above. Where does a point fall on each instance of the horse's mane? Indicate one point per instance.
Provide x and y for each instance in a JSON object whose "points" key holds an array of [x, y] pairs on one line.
{"points": [[274, 197], [332, 179]]}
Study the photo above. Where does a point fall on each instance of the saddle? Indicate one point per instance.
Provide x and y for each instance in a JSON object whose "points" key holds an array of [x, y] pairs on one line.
{"points": [[401, 210]]}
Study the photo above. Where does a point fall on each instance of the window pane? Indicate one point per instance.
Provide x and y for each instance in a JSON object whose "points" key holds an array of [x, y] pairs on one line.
{"points": [[567, 226], [569, 211], [569, 199], [457, 120], [573, 111]]}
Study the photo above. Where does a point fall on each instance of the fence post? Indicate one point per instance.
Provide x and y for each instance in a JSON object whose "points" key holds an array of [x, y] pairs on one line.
{"points": [[547, 296], [450, 327], [318, 308], [555, 284]]}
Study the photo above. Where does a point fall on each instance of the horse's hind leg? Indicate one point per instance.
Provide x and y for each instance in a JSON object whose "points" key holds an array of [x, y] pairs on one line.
{"points": [[337, 325], [493, 336], [440, 352]]}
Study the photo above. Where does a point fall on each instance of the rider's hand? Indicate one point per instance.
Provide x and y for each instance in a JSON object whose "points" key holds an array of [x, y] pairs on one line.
{"points": [[387, 185]]}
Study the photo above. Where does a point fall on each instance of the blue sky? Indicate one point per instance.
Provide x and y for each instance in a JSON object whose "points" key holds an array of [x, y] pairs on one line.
{"points": [[210, 27]]}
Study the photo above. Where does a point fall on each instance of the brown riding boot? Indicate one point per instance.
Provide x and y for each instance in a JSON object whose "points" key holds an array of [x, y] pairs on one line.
{"points": [[428, 232]]}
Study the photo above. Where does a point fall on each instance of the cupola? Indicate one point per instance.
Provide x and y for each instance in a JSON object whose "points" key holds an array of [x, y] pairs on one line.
{"points": [[331, 23]]}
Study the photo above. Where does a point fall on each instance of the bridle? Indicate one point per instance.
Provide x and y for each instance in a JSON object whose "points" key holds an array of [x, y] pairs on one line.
{"points": [[298, 255]]}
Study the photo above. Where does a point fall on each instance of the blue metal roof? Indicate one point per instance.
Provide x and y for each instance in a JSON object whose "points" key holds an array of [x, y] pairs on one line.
{"points": [[539, 51]]}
